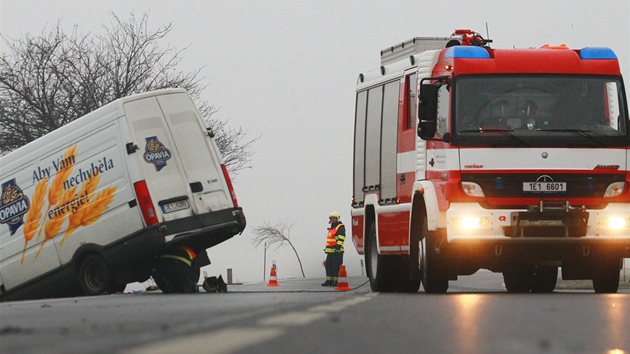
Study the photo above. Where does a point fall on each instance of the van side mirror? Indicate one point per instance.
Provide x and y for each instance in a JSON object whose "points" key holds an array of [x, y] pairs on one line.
{"points": [[427, 110]]}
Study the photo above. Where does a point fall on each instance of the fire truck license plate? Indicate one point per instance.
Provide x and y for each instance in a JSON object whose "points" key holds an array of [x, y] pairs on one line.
{"points": [[175, 206], [544, 187]]}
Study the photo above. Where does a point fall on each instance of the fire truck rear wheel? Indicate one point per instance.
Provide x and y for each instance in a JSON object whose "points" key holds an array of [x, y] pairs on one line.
{"points": [[606, 277], [380, 268], [95, 275]]}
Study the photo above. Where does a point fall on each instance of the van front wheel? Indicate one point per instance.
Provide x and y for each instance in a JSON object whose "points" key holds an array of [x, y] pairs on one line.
{"points": [[95, 276]]}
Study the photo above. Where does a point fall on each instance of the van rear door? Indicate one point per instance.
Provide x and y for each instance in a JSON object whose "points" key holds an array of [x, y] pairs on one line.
{"points": [[180, 164], [197, 152], [160, 165]]}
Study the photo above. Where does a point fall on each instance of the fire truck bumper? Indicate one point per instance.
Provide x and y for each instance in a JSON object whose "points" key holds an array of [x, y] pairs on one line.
{"points": [[469, 222]]}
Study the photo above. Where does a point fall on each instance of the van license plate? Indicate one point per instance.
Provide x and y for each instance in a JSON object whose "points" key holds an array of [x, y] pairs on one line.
{"points": [[545, 187], [175, 206]]}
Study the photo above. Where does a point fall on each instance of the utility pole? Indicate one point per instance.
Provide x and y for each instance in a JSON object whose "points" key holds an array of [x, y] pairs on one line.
{"points": [[265, 262]]}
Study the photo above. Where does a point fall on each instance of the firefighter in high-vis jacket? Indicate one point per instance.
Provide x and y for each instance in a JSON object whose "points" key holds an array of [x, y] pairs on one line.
{"points": [[177, 271], [334, 248]]}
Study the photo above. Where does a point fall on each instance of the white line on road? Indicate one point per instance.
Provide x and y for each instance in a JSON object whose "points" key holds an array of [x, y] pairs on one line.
{"points": [[218, 342], [232, 339], [292, 319]]}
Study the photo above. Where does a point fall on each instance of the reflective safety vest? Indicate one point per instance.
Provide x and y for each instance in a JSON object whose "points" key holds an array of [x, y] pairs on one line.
{"points": [[183, 254], [335, 239]]}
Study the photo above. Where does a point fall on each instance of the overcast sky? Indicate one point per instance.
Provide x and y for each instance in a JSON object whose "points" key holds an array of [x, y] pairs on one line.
{"points": [[287, 70]]}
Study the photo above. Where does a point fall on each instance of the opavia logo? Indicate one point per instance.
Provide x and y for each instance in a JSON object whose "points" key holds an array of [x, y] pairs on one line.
{"points": [[156, 153], [13, 205]]}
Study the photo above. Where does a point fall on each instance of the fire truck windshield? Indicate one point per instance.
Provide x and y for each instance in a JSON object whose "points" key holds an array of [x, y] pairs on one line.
{"points": [[540, 110]]}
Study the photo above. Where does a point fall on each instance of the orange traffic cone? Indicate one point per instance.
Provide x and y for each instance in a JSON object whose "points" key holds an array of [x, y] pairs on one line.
{"points": [[342, 284], [273, 281]]}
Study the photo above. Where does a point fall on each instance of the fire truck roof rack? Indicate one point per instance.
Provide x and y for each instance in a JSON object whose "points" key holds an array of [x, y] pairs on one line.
{"points": [[421, 44], [411, 47]]}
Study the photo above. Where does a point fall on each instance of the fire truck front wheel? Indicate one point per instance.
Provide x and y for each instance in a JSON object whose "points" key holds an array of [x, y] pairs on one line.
{"points": [[380, 269], [518, 278], [606, 275], [434, 276], [545, 279]]}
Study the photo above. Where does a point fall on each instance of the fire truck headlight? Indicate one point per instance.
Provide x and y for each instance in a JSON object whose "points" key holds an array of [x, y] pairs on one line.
{"points": [[472, 189], [470, 223], [615, 189], [616, 223]]}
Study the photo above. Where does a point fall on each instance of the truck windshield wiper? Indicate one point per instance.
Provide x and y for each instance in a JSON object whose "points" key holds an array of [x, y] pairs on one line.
{"points": [[504, 132], [581, 132]]}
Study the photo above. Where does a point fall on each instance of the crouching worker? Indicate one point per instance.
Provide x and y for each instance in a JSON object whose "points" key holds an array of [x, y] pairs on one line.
{"points": [[177, 270]]}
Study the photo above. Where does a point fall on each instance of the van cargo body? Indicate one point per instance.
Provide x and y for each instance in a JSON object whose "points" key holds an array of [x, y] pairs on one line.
{"points": [[89, 206]]}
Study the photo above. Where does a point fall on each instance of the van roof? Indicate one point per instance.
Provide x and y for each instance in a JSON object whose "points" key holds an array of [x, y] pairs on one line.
{"points": [[105, 112]]}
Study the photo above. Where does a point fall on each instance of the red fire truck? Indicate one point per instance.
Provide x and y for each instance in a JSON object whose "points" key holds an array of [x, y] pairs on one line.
{"points": [[512, 160]]}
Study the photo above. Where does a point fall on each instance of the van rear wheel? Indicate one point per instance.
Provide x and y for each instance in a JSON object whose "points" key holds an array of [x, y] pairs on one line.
{"points": [[95, 276]]}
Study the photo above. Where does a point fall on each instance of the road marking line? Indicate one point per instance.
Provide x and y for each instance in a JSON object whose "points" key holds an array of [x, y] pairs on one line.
{"points": [[292, 319], [328, 308], [219, 342], [338, 306], [232, 339]]}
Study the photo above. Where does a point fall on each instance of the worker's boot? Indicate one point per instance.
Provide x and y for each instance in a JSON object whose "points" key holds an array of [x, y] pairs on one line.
{"points": [[327, 283]]}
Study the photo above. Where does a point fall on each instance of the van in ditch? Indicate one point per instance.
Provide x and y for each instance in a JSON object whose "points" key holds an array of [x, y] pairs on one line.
{"points": [[88, 207]]}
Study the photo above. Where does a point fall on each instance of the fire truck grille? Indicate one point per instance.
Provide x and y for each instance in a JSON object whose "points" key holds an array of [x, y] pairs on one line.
{"points": [[564, 185]]}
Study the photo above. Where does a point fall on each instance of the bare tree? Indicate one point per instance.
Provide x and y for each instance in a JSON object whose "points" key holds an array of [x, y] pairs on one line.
{"points": [[49, 80], [279, 233]]}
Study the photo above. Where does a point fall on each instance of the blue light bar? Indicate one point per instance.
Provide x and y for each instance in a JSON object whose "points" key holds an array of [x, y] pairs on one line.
{"points": [[597, 53], [466, 52]]}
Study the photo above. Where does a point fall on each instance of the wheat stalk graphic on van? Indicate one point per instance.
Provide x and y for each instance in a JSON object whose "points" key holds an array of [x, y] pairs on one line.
{"points": [[80, 209]]}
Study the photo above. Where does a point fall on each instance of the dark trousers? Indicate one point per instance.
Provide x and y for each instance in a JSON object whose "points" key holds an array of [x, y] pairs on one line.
{"points": [[333, 263], [173, 276]]}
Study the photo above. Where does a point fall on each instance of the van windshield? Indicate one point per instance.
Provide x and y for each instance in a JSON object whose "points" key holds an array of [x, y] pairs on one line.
{"points": [[539, 110]]}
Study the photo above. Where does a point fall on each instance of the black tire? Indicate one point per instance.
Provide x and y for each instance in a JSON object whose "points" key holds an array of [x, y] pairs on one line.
{"points": [[545, 279], [518, 279], [606, 276], [95, 276], [411, 275], [434, 277], [379, 268]]}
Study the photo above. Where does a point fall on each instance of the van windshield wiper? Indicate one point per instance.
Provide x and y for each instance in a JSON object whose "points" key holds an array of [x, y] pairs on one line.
{"points": [[581, 132], [504, 132]]}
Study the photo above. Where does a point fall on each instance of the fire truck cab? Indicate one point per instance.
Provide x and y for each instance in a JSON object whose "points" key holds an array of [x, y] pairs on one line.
{"points": [[512, 160]]}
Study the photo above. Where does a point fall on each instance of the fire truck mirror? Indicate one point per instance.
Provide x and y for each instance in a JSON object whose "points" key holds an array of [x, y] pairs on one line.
{"points": [[427, 110]]}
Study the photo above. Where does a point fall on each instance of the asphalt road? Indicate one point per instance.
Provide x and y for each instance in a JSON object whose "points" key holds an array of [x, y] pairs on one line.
{"points": [[300, 316]]}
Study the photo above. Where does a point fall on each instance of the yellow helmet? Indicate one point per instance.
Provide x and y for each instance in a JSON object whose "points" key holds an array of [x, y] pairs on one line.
{"points": [[335, 214]]}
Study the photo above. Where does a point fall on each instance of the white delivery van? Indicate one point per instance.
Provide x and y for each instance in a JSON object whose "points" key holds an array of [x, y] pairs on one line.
{"points": [[89, 206]]}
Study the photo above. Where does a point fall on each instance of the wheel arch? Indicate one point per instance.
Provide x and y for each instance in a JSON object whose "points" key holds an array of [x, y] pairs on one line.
{"points": [[426, 194], [418, 214], [86, 250]]}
